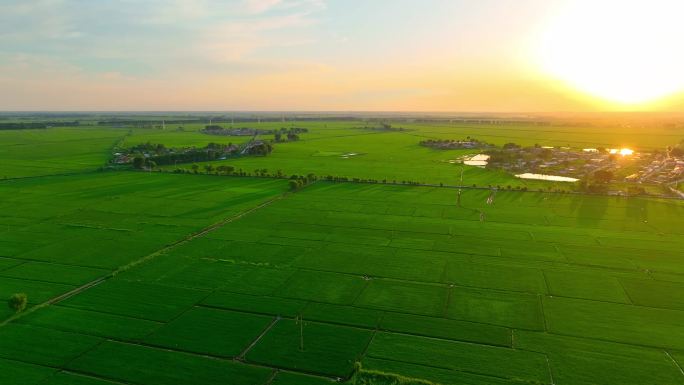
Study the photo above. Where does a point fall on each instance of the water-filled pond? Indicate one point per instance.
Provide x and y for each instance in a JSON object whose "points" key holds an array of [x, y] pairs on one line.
{"points": [[554, 178]]}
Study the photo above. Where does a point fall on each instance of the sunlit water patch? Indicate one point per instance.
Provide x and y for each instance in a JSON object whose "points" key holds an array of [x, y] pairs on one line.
{"points": [[553, 178]]}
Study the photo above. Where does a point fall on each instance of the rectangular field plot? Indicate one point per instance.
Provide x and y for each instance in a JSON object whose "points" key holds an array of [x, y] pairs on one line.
{"points": [[205, 274], [491, 361], [255, 304], [20, 373], [431, 373], [668, 295], [344, 315], [245, 252], [377, 262], [43, 346], [404, 297], [581, 361], [66, 378], [615, 322], [319, 286], [285, 378], [103, 249], [327, 349], [137, 300], [515, 310], [36, 291], [7, 263], [492, 276], [92, 323], [213, 332], [446, 329], [143, 365], [64, 274], [56, 150], [585, 284]]}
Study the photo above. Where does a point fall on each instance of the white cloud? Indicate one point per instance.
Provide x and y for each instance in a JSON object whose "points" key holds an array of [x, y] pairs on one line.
{"points": [[154, 37], [259, 6]]}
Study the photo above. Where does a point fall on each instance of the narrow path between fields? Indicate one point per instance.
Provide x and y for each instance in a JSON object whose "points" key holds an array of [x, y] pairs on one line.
{"points": [[143, 259], [249, 347]]}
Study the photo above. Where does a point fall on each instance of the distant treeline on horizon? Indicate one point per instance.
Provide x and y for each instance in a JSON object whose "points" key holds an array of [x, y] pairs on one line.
{"points": [[36, 125]]}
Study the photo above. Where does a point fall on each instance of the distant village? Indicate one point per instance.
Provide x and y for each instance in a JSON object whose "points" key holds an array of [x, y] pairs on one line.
{"points": [[594, 168], [382, 126], [451, 144], [282, 134], [658, 167], [149, 155]]}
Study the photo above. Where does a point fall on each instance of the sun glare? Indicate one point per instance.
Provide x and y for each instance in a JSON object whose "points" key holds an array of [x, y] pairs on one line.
{"points": [[624, 51], [621, 151]]}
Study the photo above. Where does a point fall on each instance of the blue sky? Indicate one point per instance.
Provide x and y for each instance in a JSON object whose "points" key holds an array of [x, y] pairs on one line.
{"points": [[274, 55]]}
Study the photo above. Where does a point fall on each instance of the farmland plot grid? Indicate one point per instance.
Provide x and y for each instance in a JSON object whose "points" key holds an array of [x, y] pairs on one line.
{"points": [[444, 293]]}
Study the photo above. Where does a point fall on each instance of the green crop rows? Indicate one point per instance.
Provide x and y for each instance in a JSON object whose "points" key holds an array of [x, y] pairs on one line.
{"points": [[156, 278]]}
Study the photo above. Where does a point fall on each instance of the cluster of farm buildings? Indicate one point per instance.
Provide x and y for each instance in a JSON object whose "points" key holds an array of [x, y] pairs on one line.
{"points": [[657, 167]]}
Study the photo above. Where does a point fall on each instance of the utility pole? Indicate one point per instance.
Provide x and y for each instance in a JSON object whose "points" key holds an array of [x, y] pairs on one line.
{"points": [[300, 321]]}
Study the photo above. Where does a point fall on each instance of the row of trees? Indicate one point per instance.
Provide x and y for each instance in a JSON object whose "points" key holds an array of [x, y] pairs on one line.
{"points": [[150, 155], [299, 181], [285, 137], [35, 125], [259, 148], [597, 182], [216, 129], [451, 144]]}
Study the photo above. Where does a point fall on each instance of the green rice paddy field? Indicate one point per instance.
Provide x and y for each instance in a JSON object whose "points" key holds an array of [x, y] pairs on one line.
{"points": [[345, 149], [164, 279]]}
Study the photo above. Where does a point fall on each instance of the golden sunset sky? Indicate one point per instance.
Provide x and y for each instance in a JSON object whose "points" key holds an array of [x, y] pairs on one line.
{"points": [[342, 55]]}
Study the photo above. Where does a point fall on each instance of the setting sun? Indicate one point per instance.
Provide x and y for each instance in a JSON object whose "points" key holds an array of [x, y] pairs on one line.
{"points": [[627, 52]]}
